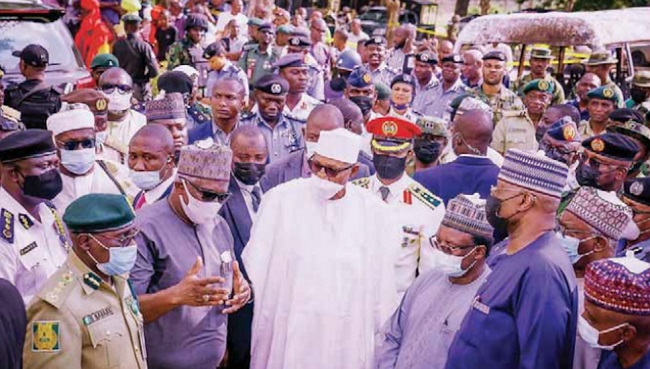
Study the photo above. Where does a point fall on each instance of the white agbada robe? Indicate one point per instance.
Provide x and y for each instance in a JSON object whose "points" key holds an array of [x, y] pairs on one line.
{"points": [[324, 277]]}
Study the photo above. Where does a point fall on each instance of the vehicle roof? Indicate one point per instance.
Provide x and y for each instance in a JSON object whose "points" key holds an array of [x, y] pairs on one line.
{"points": [[608, 28]]}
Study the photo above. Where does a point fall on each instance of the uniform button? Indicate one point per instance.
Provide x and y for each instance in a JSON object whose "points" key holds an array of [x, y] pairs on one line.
{"points": [[137, 349], [108, 333]]}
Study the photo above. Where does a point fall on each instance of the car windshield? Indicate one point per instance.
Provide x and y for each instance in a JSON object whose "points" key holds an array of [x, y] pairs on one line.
{"points": [[374, 15], [15, 35]]}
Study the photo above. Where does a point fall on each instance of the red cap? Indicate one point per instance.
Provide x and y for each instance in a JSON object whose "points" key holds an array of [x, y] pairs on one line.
{"points": [[393, 128]]}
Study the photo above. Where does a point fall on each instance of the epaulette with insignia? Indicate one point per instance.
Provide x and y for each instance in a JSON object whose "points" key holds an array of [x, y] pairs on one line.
{"points": [[294, 118], [362, 182], [92, 280], [8, 221], [198, 116], [57, 289], [425, 196], [247, 116]]}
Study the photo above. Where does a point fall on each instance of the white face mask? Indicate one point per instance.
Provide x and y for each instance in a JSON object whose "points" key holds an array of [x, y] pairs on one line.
{"points": [[450, 265], [591, 335], [199, 212], [78, 161], [323, 188], [145, 180], [118, 101], [309, 149]]}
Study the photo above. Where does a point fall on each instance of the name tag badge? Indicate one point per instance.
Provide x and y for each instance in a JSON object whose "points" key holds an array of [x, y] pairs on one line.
{"points": [[30, 255], [97, 315], [478, 305]]}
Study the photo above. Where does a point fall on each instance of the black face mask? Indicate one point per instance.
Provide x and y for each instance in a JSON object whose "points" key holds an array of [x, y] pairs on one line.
{"points": [[492, 209], [388, 167], [364, 103], [638, 95], [249, 173], [44, 186], [586, 175], [426, 151]]}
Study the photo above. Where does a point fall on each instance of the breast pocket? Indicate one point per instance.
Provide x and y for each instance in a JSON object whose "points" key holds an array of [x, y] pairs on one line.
{"points": [[32, 258], [110, 343]]}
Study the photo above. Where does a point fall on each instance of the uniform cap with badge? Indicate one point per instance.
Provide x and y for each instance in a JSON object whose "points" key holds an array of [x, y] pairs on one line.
{"points": [[33, 55], [294, 60], [541, 85], [375, 40], [360, 78], [299, 38], [453, 58], [104, 61], [534, 171], [170, 106], [564, 130], [266, 27], [27, 144], [634, 130], [390, 134], [638, 189], [96, 101], [71, 118], [600, 58], [403, 78], [495, 55], [541, 53], [427, 56], [205, 160], [613, 146], [603, 93], [272, 84]]}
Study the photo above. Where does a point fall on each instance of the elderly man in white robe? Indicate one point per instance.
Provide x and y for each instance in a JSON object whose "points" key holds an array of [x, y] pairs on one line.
{"points": [[321, 260]]}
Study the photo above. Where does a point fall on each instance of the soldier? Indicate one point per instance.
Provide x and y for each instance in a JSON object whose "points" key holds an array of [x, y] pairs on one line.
{"points": [[640, 92], [34, 98], [517, 128], [640, 134], [189, 50], [602, 102], [295, 70], [257, 60], [33, 242], [429, 145], [283, 133], [450, 87], [540, 59], [81, 172], [221, 67], [86, 315], [401, 96], [180, 81], [136, 56], [492, 91], [425, 79], [601, 63], [419, 210], [376, 50], [100, 64]]}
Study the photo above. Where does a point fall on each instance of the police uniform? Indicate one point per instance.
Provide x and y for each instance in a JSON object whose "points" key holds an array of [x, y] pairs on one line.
{"points": [[558, 91], [306, 103], [418, 211], [256, 63], [286, 136], [439, 98], [77, 319], [410, 114], [227, 70], [316, 88], [31, 250], [601, 93], [383, 73], [423, 93]]}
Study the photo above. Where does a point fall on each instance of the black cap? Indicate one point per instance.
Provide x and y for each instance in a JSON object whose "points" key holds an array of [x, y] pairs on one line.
{"points": [[34, 55], [612, 145], [403, 78], [296, 60], [626, 114], [266, 26], [214, 49], [175, 81], [30, 143], [638, 189], [272, 84], [196, 20], [495, 55], [376, 40], [454, 58], [427, 57]]}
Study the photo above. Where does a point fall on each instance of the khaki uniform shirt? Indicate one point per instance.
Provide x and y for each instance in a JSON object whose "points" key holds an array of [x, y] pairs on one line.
{"points": [[514, 131], [558, 91], [79, 321], [585, 130], [503, 101]]}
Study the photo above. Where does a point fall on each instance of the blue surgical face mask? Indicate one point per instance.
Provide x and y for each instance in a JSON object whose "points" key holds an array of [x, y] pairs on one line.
{"points": [[78, 161], [121, 259], [571, 245], [145, 180]]}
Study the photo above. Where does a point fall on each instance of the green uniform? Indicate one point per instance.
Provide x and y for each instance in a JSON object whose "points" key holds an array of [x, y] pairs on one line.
{"points": [[503, 101], [558, 91], [514, 131], [257, 64]]}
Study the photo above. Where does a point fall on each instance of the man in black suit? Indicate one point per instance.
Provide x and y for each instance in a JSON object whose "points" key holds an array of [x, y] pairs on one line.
{"points": [[250, 155]]}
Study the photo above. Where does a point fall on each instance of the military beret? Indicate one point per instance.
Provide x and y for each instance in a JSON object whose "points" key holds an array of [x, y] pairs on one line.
{"points": [[360, 77], [30, 143], [539, 85], [564, 130], [272, 84], [495, 55], [392, 134], [286, 29], [626, 114], [214, 49], [383, 91], [427, 57], [293, 60], [254, 21], [638, 189], [632, 129], [131, 18], [104, 61], [603, 93], [98, 212], [175, 81], [266, 26], [641, 79], [454, 58], [376, 40], [95, 100], [612, 145], [403, 78], [433, 126], [9, 123]]}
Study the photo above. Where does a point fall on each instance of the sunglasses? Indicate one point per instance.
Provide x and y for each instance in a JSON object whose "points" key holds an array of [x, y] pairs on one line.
{"points": [[87, 143], [316, 167], [210, 196], [122, 89]]}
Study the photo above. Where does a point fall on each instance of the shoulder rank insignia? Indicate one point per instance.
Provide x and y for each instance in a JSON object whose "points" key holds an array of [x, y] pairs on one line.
{"points": [[45, 336], [58, 293], [197, 115], [7, 225], [362, 182], [425, 196], [92, 280], [25, 221]]}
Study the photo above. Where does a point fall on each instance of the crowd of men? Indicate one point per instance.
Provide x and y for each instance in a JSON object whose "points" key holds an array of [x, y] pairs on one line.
{"points": [[253, 192]]}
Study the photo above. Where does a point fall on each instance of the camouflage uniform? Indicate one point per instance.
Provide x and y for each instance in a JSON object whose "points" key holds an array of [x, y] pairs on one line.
{"points": [[179, 54], [504, 100]]}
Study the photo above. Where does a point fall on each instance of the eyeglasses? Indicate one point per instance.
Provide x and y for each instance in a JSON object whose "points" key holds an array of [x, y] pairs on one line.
{"points": [[316, 167], [572, 231], [447, 249], [110, 88], [123, 240], [87, 143], [210, 196]]}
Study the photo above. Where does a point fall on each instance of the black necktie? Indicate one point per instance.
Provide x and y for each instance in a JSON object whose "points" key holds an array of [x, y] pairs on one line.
{"points": [[256, 194], [385, 191]]}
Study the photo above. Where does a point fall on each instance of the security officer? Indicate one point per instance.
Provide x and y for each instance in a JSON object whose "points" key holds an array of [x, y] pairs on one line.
{"points": [[640, 134], [376, 50], [220, 67], [295, 69], [540, 59], [401, 96], [602, 102], [257, 60], [86, 315], [300, 43], [601, 63], [100, 64], [419, 211], [636, 195], [136, 56], [429, 145], [175, 81], [283, 133], [640, 92], [6, 110], [33, 241], [189, 50], [347, 61], [9, 125], [34, 98], [516, 130], [425, 79], [492, 91]]}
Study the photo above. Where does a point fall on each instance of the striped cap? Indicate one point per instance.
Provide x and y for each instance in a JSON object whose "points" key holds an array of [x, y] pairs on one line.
{"points": [[619, 284], [466, 213], [601, 210], [534, 171]]}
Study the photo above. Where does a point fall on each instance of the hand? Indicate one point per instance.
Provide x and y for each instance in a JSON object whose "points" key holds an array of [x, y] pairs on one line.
{"points": [[196, 291], [241, 291]]}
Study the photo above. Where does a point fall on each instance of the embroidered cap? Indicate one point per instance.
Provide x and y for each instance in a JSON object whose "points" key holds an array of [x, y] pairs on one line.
{"points": [[619, 284], [170, 106], [466, 213], [534, 171], [205, 160]]}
